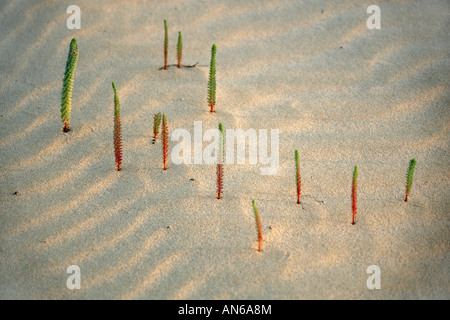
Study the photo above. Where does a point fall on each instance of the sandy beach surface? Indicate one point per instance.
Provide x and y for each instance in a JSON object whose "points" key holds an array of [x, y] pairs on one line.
{"points": [[342, 94]]}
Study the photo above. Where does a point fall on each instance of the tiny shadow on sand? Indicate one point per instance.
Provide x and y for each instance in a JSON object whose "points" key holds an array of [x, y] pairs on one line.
{"points": [[184, 66]]}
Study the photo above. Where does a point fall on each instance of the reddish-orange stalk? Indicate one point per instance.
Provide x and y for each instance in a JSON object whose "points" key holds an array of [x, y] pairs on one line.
{"points": [[220, 163], [165, 140], [259, 235], [258, 226], [354, 195], [117, 133], [118, 143], [66, 126], [219, 180]]}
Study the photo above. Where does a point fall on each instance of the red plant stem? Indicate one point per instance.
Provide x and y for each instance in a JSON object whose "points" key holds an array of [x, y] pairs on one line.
{"points": [[211, 108], [354, 199], [219, 180], [258, 223], [406, 196], [165, 141], [66, 126], [118, 143], [260, 238], [259, 235]]}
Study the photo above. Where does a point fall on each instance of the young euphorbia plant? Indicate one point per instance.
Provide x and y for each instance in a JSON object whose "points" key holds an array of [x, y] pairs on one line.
{"points": [[298, 178], [354, 196], [212, 80], [156, 125], [166, 44], [117, 132], [220, 162], [66, 98], [258, 225], [165, 140], [409, 177], [179, 49]]}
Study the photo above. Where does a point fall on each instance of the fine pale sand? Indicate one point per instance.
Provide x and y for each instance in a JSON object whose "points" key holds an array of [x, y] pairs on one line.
{"points": [[342, 94]]}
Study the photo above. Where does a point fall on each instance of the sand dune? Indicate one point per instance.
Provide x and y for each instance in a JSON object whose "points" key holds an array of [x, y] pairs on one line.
{"points": [[342, 94]]}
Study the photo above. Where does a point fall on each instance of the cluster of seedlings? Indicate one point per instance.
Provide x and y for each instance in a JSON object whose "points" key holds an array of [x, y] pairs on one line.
{"points": [[179, 50], [161, 119], [158, 118]]}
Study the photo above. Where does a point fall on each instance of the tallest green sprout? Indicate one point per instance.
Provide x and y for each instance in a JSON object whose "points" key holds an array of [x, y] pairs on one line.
{"points": [[212, 80], [66, 98]]}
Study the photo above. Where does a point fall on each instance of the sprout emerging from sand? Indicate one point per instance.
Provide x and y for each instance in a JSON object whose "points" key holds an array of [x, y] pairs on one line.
{"points": [[179, 49], [166, 44], [212, 80], [299, 181], [220, 163], [258, 225], [409, 177], [156, 125], [354, 198], [66, 98], [165, 140], [117, 133]]}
